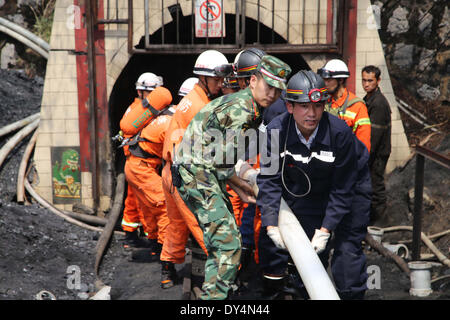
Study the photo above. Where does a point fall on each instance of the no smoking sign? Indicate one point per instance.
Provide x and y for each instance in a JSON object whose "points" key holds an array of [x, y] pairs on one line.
{"points": [[209, 19]]}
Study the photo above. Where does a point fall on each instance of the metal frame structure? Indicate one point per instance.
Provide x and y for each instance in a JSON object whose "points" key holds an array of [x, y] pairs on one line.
{"points": [[335, 29], [421, 154]]}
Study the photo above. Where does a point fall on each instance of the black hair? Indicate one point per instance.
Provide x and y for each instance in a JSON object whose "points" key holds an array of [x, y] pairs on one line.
{"points": [[372, 69]]}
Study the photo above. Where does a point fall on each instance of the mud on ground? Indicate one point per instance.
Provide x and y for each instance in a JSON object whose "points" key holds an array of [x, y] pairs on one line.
{"points": [[40, 251]]}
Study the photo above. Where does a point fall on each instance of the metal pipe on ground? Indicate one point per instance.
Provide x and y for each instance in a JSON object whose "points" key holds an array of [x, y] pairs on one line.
{"points": [[425, 240], [385, 252], [108, 230]]}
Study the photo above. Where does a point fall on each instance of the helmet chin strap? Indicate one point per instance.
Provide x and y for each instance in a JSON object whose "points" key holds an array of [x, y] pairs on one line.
{"points": [[208, 92], [336, 90]]}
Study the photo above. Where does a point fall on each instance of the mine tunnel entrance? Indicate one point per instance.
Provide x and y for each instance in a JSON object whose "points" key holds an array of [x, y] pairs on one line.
{"points": [[175, 67]]}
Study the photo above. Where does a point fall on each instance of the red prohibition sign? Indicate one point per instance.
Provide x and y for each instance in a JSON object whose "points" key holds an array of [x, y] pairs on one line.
{"points": [[210, 9]]}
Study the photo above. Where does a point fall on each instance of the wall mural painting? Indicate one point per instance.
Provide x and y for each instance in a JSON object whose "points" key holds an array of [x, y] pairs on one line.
{"points": [[66, 175]]}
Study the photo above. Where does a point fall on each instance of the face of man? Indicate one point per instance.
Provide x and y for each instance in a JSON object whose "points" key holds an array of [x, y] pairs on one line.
{"points": [[332, 85], [306, 115], [214, 85], [263, 93], [226, 90], [243, 82], [142, 94], [369, 82]]}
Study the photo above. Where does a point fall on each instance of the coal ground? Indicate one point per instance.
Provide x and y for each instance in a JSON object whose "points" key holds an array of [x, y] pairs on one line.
{"points": [[41, 251]]}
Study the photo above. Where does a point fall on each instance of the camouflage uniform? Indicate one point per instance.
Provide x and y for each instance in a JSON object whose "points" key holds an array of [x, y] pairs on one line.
{"points": [[204, 177]]}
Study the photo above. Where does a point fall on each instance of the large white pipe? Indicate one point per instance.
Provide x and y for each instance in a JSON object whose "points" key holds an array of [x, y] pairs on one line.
{"points": [[311, 270]]}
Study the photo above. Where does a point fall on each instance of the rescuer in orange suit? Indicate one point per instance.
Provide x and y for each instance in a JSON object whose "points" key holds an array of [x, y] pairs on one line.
{"points": [[142, 170], [133, 218], [343, 103], [209, 68]]}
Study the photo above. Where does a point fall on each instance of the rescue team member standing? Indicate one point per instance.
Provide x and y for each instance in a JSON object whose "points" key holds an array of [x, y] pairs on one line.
{"points": [[133, 217], [203, 181], [380, 121], [344, 104], [143, 165], [321, 165], [182, 221]]}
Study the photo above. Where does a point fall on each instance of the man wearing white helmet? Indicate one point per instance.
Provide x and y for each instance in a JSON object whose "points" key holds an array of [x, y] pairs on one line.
{"points": [[133, 218], [210, 68], [187, 86], [147, 82], [343, 103]]}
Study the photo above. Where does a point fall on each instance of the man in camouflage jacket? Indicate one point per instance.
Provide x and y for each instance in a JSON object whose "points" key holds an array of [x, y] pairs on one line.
{"points": [[205, 164]]}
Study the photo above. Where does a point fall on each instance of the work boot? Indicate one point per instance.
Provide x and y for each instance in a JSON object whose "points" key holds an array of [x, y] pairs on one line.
{"points": [[147, 255], [132, 240], [246, 257], [273, 288], [169, 275], [294, 284]]}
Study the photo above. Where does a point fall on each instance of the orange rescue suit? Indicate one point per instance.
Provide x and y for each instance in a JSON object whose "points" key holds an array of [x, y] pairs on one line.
{"points": [[133, 217], [356, 116], [144, 178]]}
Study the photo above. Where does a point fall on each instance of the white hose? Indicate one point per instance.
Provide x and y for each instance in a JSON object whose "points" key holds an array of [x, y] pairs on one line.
{"points": [[25, 41], [24, 32], [313, 274], [18, 124], [23, 168], [8, 146]]}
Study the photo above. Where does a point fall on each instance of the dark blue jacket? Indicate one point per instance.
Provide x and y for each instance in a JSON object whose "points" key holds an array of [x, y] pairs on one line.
{"points": [[274, 110], [331, 165]]}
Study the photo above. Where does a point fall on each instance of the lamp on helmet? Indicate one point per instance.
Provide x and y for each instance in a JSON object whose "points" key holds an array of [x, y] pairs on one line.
{"points": [[306, 86]]}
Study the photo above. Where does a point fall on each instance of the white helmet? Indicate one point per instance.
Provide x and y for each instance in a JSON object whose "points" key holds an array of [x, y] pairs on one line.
{"points": [[236, 59], [334, 68], [208, 61], [148, 81], [187, 86]]}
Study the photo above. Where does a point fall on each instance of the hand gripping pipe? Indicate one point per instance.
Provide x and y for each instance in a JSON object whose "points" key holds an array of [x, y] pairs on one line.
{"points": [[311, 270], [313, 274]]}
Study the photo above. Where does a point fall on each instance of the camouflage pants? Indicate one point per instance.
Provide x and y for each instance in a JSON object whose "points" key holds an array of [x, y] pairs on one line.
{"points": [[213, 210], [223, 241]]}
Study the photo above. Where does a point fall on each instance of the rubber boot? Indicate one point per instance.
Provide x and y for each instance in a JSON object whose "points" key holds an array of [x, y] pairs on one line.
{"points": [[147, 255], [169, 275], [273, 288], [294, 284], [132, 240], [246, 258]]}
